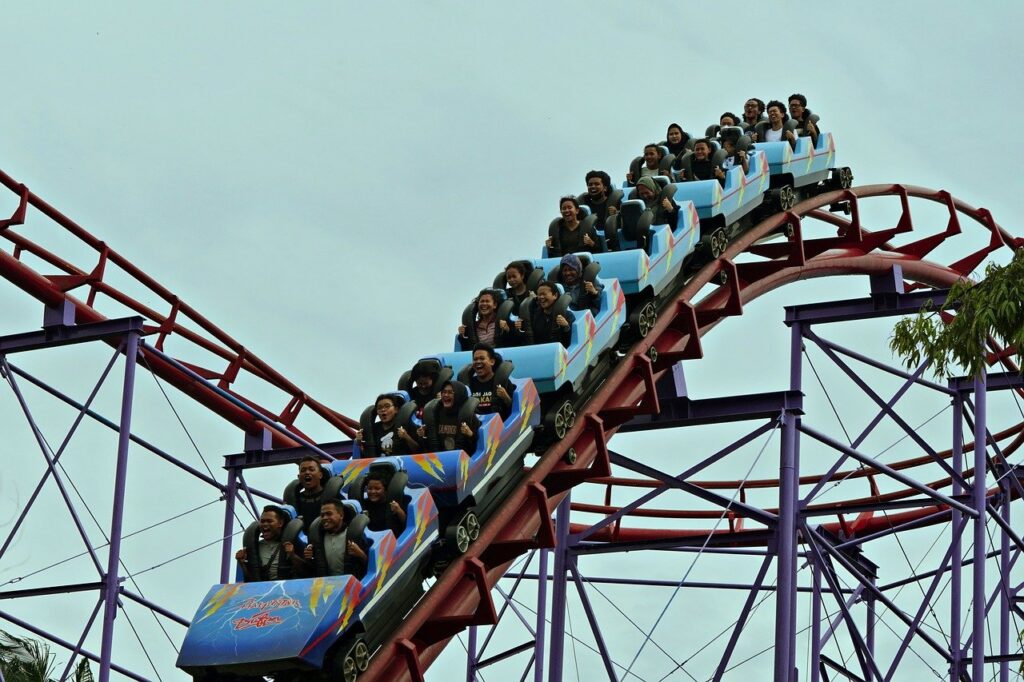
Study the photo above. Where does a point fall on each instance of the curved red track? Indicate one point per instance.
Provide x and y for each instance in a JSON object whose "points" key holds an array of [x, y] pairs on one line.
{"points": [[461, 597]]}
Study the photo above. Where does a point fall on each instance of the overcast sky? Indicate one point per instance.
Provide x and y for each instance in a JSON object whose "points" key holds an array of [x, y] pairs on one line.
{"points": [[331, 182]]}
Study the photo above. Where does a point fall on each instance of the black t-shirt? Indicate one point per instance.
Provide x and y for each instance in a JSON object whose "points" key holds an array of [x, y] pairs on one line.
{"points": [[381, 517], [449, 433], [702, 170], [388, 442], [489, 402], [308, 507]]}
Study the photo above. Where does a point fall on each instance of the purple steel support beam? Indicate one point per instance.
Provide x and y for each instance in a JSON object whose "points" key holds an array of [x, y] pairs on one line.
{"points": [[508, 602], [44, 449], [980, 500], [886, 408], [875, 421], [925, 604], [226, 557], [1004, 573], [542, 604], [869, 625], [956, 570], [815, 662], [647, 497], [60, 451], [693, 584], [741, 508], [112, 579], [203, 476], [154, 607], [914, 377], [872, 463], [609, 665], [81, 641], [558, 591], [867, 661], [745, 612], [855, 596], [786, 528], [877, 305], [471, 655], [820, 542]]}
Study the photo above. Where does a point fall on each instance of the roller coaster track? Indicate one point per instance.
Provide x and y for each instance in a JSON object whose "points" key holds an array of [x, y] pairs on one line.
{"points": [[173, 319], [461, 597]]}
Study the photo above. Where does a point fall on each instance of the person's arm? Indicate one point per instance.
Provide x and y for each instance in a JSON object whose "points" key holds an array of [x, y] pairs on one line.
{"points": [[240, 557], [410, 443], [357, 559]]}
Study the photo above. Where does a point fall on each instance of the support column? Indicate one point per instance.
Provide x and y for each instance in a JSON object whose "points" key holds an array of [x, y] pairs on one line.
{"points": [[112, 583], [785, 637], [980, 546], [1004, 577], [542, 616], [558, 591], [815, 672], [785, 533], [956, 568], [471, 655], [227, 556]]}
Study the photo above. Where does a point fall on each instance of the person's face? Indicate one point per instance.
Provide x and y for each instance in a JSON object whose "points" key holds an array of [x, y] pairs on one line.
{"points": [[448, 396], [331, 519], [424, 382], [796, 110], [775, 115], [546, 298], [270, 526], [750, 109], [726, 121], [310, 475], [701, 151], [386, 409], [483, 364], [651, 157], [568, 210], [595, 188], [674, 135], [569, 275], [485, 304], [513, 278], [375, 491], [645, 192]]}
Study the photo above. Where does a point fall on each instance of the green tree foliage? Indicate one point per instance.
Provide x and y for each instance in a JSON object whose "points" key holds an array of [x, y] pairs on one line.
{"points": [[27, 660], [992, 308]]}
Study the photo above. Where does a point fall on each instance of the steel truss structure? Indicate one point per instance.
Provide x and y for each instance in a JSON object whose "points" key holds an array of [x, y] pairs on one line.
{"points": [[786, 539], [831, 558]]}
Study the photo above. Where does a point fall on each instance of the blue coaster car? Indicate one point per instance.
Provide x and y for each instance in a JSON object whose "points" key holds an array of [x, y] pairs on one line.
{"points": [[639, 272], [552, 366], [334, 623], [467, 486], [805, 165], [718, 205]]}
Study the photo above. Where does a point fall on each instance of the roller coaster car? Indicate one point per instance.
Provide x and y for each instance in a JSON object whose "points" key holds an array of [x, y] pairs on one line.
{"points": [[722, 206], [554, 368], [804, 170], [312, 628], [467, 487]]}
